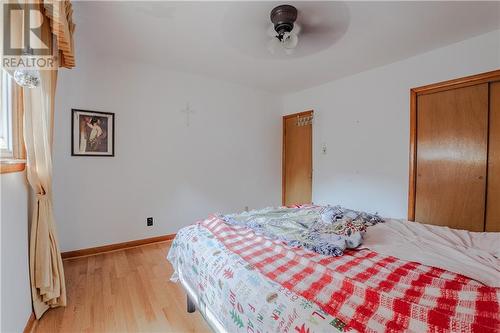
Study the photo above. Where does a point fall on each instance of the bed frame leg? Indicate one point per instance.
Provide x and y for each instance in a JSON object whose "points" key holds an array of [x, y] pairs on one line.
{"points": [[190, 305]]}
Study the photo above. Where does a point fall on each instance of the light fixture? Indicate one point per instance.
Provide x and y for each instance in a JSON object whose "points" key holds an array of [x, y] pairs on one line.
{"points": [[284, 31], [24, 75]]}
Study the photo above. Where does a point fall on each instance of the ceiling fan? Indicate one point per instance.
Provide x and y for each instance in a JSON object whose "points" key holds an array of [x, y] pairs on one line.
{"points": [[284, 30]]}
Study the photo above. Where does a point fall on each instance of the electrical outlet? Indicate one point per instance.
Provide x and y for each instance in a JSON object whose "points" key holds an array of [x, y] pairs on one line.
{"points": [[149, 221]]}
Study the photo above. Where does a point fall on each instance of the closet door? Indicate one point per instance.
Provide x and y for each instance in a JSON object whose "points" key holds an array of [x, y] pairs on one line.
{"points": [[493, 196], [452, 144]]}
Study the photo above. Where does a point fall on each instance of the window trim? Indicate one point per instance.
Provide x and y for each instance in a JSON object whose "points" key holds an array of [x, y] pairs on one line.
{"points": [[14, 166]]}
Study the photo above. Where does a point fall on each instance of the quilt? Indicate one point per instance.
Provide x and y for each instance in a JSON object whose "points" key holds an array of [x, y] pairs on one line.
{"points": [[243, 299], [366, 291]]}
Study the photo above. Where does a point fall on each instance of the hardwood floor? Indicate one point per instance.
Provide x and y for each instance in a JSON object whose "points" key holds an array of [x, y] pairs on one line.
{"points": [[123, 291]]}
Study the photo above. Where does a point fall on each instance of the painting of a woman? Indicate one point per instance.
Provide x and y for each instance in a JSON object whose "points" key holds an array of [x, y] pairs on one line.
{"points": [[93, 136]]}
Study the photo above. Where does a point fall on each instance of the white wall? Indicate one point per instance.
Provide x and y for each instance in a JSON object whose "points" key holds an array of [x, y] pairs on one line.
{"points": [[227, 159], [364, 121], [15, 292]]}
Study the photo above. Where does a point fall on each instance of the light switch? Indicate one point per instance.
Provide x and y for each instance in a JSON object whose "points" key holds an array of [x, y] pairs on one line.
{"points": [[323, 148]]}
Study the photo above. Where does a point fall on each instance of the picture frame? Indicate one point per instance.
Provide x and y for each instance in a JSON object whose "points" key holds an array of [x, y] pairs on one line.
{"points": [[92, 133]]}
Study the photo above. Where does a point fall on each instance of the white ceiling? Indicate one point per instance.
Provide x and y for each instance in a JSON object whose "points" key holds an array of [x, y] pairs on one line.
{"points": [[227, 40]]}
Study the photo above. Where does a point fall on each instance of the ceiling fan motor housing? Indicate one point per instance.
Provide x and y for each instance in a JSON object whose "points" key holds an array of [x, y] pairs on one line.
{"points": [[283, 18]]}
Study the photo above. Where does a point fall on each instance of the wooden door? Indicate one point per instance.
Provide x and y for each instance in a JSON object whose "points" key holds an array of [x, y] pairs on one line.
{"points": [[493, 194], [452, 144], [297, 158]]}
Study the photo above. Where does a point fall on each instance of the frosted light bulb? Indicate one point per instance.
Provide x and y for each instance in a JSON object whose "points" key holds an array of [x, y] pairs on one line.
{"points": [[290, 40]]}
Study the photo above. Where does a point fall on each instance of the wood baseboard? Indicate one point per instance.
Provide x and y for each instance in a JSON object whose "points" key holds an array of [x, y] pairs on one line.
{"points": [[114, 247], [30, 325]]}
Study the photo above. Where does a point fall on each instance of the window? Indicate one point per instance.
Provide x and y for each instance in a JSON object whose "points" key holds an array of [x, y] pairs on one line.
{"points": [[6, 126], [12, 150]]}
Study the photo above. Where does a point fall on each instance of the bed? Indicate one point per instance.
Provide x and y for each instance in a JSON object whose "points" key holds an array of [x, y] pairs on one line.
{"points": [[241, 280]]}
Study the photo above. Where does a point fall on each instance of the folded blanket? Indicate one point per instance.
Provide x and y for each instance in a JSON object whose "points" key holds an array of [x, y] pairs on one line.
{"points": [[323, 229]]}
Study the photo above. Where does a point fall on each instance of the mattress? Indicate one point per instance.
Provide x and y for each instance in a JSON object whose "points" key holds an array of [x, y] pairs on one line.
{"points": [[245, 282]]}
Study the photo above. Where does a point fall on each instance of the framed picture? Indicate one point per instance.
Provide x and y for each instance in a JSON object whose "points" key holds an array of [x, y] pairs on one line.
{"points": [[92, 133]]}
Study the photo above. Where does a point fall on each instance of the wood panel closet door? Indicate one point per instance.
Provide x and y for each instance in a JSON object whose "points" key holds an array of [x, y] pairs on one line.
{"points": [[493, 196], [452, 136]]}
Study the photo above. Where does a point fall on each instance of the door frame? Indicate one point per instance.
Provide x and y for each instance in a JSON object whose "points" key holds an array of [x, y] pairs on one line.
{"points": [[283, 126], [429, 89]]}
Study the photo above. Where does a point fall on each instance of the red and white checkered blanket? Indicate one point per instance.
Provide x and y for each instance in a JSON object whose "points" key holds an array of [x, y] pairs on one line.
{"points": [[367, 291]]}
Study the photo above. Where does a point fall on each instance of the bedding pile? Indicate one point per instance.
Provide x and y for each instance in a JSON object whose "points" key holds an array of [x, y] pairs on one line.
{"points": [[367, 291], [323, 229]]}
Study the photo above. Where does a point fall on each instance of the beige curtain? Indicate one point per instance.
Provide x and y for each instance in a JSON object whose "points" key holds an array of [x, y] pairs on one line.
{"points": [[46, 270]]}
